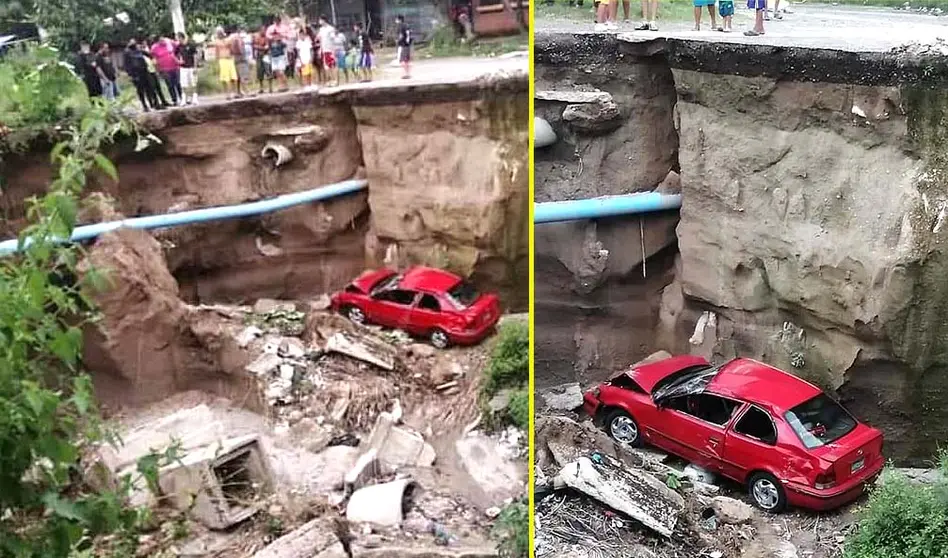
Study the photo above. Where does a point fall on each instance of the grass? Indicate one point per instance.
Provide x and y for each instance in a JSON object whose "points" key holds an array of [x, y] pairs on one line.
{"points": [[512, 530], [444, 44]]}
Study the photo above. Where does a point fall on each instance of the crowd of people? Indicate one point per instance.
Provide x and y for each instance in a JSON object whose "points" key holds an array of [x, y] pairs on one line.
{"points": [[607, 12], [164, 70]]}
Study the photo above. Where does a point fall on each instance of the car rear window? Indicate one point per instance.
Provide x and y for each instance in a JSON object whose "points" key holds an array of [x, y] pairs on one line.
{"points": [[820, 421], [463, 295], [688, 381], [385, 283]]}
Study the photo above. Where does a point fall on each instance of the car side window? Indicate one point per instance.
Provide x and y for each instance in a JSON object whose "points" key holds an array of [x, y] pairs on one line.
{"points": [[758, 425], [429, 302], [707, 407], [398, 296]]}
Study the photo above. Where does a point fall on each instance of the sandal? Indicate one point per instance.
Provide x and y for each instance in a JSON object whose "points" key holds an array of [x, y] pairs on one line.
{"points": [[752, 33]]}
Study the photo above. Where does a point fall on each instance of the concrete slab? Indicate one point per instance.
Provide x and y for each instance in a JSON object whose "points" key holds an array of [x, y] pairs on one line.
{"points": [[399, 447]]}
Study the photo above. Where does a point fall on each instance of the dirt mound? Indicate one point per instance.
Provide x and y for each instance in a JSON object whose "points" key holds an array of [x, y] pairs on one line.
{"points": [[148, 343]]}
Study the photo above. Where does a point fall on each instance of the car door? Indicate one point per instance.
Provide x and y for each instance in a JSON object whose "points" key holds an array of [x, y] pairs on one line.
{"points": [[751, 444], [694, 427], [426, 315], [392, 307]]}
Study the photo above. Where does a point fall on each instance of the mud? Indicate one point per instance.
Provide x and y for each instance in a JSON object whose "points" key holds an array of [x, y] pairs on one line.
{"points": [[820, 267]]}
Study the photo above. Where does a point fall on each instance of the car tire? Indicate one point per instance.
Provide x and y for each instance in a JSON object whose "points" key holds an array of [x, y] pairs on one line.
{"points": [[766, 493], [439, 339], [354, 314], [623, 428]]}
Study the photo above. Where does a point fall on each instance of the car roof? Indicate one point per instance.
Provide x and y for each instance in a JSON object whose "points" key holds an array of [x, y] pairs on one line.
{"points": [[428, 279], [761, 384]]}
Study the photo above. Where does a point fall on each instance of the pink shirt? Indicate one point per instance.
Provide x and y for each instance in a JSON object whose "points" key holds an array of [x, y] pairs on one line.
{"points": [[163, 51]]}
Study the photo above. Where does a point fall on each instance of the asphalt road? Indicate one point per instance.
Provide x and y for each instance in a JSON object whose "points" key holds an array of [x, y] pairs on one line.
{"points": [[809, 25]]}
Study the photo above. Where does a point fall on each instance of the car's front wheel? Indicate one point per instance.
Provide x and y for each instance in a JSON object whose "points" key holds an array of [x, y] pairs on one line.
{"points": [[355, 314], [623, 428], [439, 339], [766, 493]]}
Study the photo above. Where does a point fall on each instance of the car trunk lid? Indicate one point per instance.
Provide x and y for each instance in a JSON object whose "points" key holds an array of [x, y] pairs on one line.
{"points": [[485, 310], [370, 279], [852, 453]]}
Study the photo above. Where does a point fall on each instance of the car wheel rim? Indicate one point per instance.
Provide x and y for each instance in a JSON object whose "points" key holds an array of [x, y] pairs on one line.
{"points": [[439, 339], [356, 315], [766, 495], [624, 429]]}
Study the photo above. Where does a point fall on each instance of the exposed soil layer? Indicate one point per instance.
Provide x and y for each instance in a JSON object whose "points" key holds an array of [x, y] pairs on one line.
{"points": [[811, 226], [447, 172]]}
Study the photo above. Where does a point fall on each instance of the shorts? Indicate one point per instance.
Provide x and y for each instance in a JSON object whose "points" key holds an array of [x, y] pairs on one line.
{"points": [[227, 70], [703, 3], [365, 60], [278, 63], [306, 69], [243, 71], [263, 68], [188, 78], [404, 53], [757, 4], [341, 59], [726, 8], [329, 60]]}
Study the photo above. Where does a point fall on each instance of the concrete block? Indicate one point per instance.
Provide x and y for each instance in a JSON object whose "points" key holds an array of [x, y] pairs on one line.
{"points": [[399, 447]]}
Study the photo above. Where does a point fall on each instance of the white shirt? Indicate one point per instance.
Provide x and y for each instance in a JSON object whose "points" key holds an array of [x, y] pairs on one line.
{"points": [[326, 33], [305, 47]]}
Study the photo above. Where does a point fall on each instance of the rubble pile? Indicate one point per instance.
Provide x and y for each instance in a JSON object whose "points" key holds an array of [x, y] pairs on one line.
{"points": [[598, 498]]}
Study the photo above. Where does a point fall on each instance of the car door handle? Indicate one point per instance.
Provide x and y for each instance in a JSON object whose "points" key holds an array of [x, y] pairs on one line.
{"points": [[714, 441]]}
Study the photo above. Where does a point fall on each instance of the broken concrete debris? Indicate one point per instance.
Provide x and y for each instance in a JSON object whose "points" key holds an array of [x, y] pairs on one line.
{"points": [[635, 493], [397, 446], [364, 349], [493, 462], [731, 511], [380, 504], [566, 397]]}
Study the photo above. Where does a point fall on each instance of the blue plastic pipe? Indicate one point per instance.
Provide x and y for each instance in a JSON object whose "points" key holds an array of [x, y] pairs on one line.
{"points": [[607, 206], [207, 214]]}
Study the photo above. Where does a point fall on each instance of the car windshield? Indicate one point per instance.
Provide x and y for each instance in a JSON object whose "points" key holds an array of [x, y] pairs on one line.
{"points": [[690, 381], [463, 295], [386, 283], [820, 421]]}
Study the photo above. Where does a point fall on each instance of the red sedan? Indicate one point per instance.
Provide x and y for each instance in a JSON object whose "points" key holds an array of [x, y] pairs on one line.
{"points": [[781, 437], [423, 301]]}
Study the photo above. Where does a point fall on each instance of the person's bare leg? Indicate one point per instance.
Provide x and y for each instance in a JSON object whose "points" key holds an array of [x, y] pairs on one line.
{"points": [[603, 14], [614, 10], [644, 24], [714, 17], [626, 5], [697, 18], [759, 22], [654, 15]]}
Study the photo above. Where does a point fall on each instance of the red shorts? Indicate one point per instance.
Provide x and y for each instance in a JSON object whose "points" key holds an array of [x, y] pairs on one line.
{"points": [[329, 60]]}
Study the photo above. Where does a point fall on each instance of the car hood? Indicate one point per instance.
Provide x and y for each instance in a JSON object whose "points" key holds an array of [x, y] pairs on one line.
{"points": [[648, 375]]}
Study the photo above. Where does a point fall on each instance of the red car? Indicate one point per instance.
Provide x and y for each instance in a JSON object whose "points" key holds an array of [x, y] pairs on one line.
{"points": [[422, 301], [781, 437]]}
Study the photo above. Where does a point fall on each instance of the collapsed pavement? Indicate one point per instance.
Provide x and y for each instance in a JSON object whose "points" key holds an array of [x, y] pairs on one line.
{"points": [[332, 421]]}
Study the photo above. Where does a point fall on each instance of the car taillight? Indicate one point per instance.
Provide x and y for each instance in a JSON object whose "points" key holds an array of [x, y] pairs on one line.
{"points": [[825, 480]]}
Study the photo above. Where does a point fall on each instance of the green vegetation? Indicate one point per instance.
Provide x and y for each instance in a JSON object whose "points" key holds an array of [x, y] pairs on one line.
{"points": [[509, 369], [904, 519], [518, 411], [444, 43], [512, 530]]}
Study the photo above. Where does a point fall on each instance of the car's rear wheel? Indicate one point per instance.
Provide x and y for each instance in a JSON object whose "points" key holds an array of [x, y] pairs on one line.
{"points": [[439, 339], [355, 314], [623, 428], [766, 493]]}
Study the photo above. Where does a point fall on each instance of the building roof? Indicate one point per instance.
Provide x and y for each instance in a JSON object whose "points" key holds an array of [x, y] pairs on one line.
{"points": [[762, 384]]}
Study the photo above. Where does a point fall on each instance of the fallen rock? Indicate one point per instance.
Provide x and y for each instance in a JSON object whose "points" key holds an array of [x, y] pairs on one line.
{"points": [[380, 504], [657, 356], [245, 337], [269, 306], [307, 540], [636, 493], [422, 350], [493, 466], [563, 398], [563, 440], [499, 402], [320, 303], [731, 511], [265, 364], [670, 185], [593, 118], [291, 347], [364, 349]]}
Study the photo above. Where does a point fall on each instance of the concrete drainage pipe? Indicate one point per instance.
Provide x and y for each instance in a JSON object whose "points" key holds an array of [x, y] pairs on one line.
{"points": [[278, 153], [543, 134], [381, 504]]}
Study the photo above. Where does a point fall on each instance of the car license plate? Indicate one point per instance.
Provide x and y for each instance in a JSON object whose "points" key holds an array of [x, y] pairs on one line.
{"points": [[857, 465]]}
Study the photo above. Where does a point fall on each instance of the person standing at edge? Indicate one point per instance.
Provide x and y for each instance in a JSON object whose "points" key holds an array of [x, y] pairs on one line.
{"points": [[699, 4], [604, 18], [278, 56], [107, 72], [239, 53], [327, 50], [163, 50], [649, 15], [226, 68], [760, 6], [364, 43], [186, 51], [137, 69], [404, 45], [89, 70], [261, 53]]}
